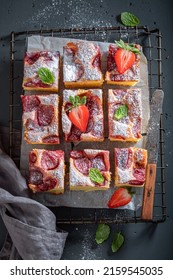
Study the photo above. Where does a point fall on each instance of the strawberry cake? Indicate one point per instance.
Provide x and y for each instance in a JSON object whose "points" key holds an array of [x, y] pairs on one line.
{"points": [[46, 171], [41, 71], [125, 114], [82, 115], [82, 65], [89, 170], [130, 167], [41, 119], [123, 64]]}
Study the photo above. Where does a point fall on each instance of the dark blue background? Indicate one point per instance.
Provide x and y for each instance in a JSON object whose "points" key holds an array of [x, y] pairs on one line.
{"points": [[142, 241]]}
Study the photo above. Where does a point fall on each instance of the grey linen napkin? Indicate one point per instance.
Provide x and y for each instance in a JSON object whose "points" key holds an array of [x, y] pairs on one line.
{"points": [[31, 226]]}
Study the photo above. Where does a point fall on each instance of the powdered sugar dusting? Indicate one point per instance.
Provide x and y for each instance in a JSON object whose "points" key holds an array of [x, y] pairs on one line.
{"points": [[57, 173], [130, 125], [77, 178], [94, 131], [48, 60], [125, 175], [78, 66], [35, 133]]}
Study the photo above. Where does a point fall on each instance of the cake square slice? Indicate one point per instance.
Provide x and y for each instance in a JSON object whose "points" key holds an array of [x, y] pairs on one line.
{"points": [[82, 65], [89, 170], [46, 171], [82, 115], [41, 118], [41, 71], [130, 167], [119, 71], [125, 114]]}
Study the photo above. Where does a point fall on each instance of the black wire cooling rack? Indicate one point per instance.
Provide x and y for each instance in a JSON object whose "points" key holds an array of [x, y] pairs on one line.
{"points": [[150, 40]]}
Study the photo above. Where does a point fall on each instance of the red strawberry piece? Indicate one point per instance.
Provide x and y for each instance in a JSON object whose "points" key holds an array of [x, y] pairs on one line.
{"points": [[139, 174], [119, 198], [48, 184], [31, 57], [35, 177], [90, 125], [45, 114], [53, 139], [92, 104], [76, 154], [97, 61], [30, 103], [124, 60], [83, 165], [74, 134], [31, 124], [79, 116], [111, 61], [49, 160], [98, 162], [32, 157]]}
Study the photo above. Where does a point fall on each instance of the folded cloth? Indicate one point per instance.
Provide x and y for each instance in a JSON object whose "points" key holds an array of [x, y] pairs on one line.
{"points": [[30, 225]]}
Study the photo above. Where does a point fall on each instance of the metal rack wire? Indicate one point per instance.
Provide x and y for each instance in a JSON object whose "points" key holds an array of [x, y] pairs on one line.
{"points": [[151, 43]]}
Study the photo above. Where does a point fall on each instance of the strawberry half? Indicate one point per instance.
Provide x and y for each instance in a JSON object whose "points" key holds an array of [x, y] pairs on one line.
{"points": [[119, 198], [125, 56], [124, 60], [79, 113]]}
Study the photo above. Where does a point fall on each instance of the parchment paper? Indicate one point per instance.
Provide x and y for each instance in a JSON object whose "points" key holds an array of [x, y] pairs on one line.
{"points": [[93, 199]]}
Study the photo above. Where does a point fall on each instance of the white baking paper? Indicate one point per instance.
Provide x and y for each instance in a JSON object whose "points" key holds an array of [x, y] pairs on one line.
{"points": [[92, 199]]}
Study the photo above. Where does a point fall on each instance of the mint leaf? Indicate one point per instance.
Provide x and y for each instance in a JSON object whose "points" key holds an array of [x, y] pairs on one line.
{"points": [[83, 100], [117, 242], [121, 112], [96, 176], [129, 47], [45, 75], [129, 19], [102, 233], [77, 101]]}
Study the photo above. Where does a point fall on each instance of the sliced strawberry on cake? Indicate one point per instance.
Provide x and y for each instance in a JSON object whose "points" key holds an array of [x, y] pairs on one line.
{"points": [[82, 115], [123, 64], [89, 170], [82, 65], [41, 71], [41, 119], [46, 171], [130, 167], [125, 114]]}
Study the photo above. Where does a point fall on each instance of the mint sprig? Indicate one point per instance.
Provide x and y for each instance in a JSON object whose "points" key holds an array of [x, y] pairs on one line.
{"points": [[117, 242], [77, 101], [45, 75], [96, 176], [102, 233], [129, 47], [129, 19], [121, 112]]}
